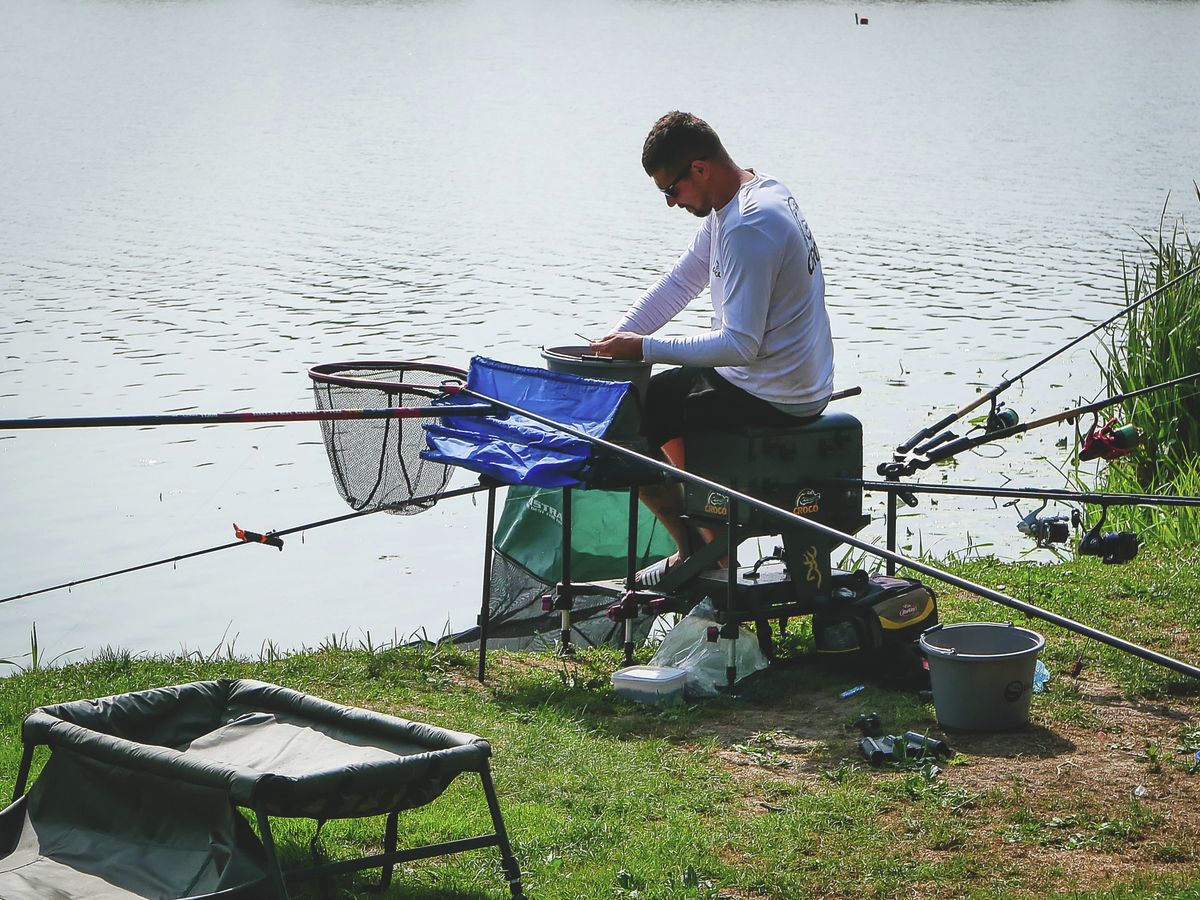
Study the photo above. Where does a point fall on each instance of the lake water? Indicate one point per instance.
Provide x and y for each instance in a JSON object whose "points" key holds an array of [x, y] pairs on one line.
{"points": [[202, 199]]}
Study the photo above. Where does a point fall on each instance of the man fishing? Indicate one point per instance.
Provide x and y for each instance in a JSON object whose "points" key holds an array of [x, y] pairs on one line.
{"points": [[768, 358]]}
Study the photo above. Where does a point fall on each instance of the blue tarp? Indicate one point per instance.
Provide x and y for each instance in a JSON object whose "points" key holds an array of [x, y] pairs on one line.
{"points": [[515, 449]]}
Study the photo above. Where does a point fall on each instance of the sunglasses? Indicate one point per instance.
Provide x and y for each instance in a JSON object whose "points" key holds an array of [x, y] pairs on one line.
{"points": [[673, 188]]}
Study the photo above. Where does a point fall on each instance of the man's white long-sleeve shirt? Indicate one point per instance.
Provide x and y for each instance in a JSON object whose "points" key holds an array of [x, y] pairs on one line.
{"points": [[770, 330]]}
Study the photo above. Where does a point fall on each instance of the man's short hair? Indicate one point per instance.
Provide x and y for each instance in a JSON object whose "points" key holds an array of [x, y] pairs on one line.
{"points": [[678, 138]]}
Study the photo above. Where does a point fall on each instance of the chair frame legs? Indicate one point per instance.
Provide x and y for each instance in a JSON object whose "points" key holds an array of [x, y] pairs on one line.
{"points": [[387, 860]]}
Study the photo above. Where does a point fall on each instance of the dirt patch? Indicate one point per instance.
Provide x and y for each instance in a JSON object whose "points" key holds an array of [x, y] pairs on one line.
{"points": [[1090, 794], [1083, 806]]}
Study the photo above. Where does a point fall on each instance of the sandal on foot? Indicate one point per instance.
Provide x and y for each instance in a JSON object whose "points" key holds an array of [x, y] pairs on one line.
{"points": [[652, 574]]}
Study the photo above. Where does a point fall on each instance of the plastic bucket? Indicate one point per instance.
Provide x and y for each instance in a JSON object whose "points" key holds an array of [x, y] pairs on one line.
{"points": [[581, 361], [982, 674]]}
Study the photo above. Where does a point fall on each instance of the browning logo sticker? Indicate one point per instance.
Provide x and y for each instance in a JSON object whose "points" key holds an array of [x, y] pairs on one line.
{"points": [[812, 569], [716, 504], [806, 502]]}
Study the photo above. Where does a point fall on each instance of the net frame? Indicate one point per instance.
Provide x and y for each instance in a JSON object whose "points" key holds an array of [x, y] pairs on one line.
{"points": [[376, 462]]}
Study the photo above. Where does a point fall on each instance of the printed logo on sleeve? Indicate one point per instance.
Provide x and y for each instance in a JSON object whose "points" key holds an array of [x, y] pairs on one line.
{"points": [[814, 255]]}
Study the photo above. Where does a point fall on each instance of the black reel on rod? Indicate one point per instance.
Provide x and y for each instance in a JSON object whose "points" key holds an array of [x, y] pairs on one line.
{"points": [[1113, 547]]}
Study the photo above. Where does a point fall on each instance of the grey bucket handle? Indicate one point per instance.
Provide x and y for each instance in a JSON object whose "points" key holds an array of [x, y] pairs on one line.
{"points": [[937, 651], [953, 652]]}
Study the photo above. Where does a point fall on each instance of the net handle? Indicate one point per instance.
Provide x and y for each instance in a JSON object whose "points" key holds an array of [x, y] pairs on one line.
{"points": [[327, 373]]}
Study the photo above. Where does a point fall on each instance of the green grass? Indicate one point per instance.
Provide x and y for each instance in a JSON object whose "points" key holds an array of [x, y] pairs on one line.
{"points": [[604, 798], [1158, 342], [1144, 602]]}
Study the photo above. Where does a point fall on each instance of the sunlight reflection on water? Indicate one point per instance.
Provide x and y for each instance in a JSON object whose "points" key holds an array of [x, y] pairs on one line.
{"points": [[203, 201]]}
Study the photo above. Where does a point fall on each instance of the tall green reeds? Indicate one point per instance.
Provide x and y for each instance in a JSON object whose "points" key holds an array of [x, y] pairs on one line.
{"points": [[1159, 341]]}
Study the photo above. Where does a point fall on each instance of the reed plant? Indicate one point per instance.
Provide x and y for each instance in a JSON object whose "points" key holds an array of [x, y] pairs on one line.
{"points": [[1159, 341]]}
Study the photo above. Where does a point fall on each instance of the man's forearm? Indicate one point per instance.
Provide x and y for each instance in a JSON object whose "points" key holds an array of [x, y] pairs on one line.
{"points": [[722, 347]]}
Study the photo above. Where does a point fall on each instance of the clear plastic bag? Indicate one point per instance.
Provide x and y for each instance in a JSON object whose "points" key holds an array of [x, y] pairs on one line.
{"points": [[687, 647]]}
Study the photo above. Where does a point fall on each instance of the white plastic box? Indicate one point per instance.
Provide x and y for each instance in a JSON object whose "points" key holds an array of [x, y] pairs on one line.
{"points": [[649, 684]]}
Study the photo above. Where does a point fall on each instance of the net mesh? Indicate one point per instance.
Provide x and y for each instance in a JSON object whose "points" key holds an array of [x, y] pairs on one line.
{"points": [[377, 463]]}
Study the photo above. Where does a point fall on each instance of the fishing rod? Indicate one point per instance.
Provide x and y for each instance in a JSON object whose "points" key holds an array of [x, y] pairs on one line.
{"points": [[1045, 530], [896, 558], [939, 449], [247, 418], [990, 395], [242, 418], [272, 538], [1057, 495]]}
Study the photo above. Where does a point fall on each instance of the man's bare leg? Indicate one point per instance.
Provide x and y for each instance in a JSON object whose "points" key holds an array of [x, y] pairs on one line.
{"points": [[666, 502]]}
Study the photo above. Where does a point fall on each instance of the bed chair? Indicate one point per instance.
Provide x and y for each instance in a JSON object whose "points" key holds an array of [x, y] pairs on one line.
{"points": [[141, 794]]}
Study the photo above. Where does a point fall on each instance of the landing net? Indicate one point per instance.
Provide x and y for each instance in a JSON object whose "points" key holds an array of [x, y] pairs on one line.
{"points": [[377, 463]]}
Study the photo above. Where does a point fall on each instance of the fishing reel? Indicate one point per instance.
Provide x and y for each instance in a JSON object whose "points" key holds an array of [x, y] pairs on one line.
{"points": [[1109, 441], [1001, 417], [1047, 530], [1113, 547]]}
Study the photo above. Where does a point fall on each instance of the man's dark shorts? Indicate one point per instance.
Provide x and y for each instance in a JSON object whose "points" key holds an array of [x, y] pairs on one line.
{"points": [[698, 397]]}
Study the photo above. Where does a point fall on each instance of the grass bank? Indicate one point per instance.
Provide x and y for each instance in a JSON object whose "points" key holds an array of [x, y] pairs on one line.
{"points": [[765, 795], [1159, 342]]}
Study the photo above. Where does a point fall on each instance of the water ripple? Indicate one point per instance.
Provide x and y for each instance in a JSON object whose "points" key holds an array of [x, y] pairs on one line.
{"points": [[189, 226]]}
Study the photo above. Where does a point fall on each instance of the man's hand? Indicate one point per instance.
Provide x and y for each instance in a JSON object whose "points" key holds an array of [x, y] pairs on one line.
{"points": [[621, 345]]}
